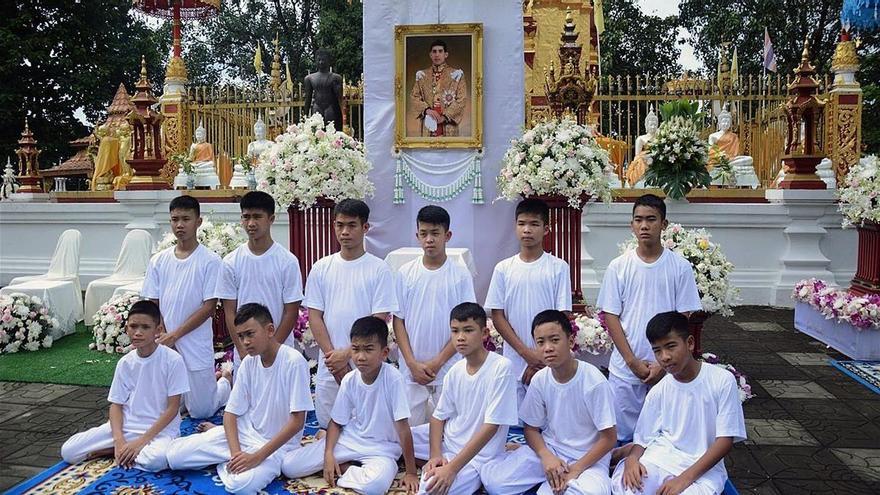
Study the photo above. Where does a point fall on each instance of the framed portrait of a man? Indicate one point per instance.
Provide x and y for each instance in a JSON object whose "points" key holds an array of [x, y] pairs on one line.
{"points": [[439, 86]]}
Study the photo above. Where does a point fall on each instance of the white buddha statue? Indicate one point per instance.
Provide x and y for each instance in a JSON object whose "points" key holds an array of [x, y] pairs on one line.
{"points": [[636, 169], [10, 184], [240, 178], [201, 154], [726, 142]]}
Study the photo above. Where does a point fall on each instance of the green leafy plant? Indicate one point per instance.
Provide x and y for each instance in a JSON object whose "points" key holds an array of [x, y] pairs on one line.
{"points": [[681, 108]]}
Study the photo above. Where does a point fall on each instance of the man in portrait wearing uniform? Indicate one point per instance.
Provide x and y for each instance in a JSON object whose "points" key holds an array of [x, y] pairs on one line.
{"points": [[439, 95]]}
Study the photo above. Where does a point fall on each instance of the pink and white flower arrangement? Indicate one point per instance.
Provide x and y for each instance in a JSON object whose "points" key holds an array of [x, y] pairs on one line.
{"points": [[742, 384], [862, 312], [556, 158], [313, 160], [109, 330], [25, 323], [711, 268], [859, 193], [220, 237]]}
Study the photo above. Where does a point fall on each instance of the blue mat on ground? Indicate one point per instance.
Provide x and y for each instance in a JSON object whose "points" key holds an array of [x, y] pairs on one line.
{"points": [[101, 477], [867, 373]]}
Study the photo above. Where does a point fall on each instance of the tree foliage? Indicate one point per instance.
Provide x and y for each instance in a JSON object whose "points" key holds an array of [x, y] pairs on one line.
{"points": [[638, 43], [60, 56]]}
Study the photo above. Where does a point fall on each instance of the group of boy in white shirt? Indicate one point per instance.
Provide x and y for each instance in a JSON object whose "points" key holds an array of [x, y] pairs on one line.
{"points": [[451, 402]]}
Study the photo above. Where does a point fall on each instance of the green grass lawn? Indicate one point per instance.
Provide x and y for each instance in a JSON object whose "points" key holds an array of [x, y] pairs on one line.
{"points": [[69, 361]]}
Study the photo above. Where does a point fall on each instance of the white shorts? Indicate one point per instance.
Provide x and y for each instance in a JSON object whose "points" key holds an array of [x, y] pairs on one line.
{"points": [[78, 447], [628, 401], [520, 470]]}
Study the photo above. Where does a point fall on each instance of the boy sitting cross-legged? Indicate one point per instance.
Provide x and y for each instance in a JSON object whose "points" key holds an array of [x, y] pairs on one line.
{"points": [[689, 422], [568, 416], [476, 407], [264, 416], [368, 424], [144, 400]]}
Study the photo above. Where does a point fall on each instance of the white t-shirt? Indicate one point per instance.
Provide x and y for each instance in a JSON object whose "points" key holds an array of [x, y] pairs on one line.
{"points": [[271, 279], [345, 291], [143, 385], [426, 297], [182, 286], [264, 398], [467, 402], [368, 412], [570, 414], [635, 291], [523, 290], [679, 421]]}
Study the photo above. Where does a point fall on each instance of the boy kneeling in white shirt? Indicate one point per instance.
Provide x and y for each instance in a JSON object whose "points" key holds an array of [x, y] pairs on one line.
{"points": [[264, 416], [568, 416], [476, 408], [144, 400], [689, 422], [368, 423]]}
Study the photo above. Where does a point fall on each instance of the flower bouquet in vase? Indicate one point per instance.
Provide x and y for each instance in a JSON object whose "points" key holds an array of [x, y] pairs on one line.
{"points": [[859, 196], [711, 270], [678, 158], [26, 324]]}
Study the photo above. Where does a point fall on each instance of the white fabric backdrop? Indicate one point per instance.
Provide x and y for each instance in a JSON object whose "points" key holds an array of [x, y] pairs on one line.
{"points": [[487, 229]]}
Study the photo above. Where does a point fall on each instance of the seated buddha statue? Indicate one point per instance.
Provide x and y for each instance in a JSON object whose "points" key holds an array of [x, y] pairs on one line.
{"points": [[107, 159], [201, 154], [726, 142], [252, 155], [636, 169]]}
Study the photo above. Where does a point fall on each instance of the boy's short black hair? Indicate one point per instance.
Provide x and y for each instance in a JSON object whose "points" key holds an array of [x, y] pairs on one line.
{"points": [[468, 310], [651, 201], [146, 307], [552, 316], [439, 42], [253, 310], [662, 324], [258, 200], [352, 208], [534, 206], [185, 202], [368, 326], [433, 215]]}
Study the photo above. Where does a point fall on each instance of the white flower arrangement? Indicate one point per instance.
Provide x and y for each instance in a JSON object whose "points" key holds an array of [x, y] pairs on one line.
{"points": [[677, 158], [862, 312], [313, 160], [109, 330], [556, 158], [711, 267], [25, 323], [220, 237], [590, 335], [860, 193]]}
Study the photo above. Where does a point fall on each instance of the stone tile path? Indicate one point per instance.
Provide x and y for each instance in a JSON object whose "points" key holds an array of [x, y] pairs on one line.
{"points": [[811, 429]]}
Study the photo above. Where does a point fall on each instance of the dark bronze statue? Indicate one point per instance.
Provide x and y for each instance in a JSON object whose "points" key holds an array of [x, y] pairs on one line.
{"points": [[324, 91]]}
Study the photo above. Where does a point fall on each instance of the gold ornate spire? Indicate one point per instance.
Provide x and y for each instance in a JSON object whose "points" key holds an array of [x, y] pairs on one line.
{"points": [[275, 81]]}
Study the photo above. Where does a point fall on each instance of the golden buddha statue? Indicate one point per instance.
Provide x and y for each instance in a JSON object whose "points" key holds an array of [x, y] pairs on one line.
{"points": [[726, 142], [201, 154], [107, 159], [123, 133], [637, 167]]}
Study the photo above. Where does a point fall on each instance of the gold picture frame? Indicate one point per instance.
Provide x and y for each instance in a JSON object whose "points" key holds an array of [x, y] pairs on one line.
{"points": [[419, 78]]}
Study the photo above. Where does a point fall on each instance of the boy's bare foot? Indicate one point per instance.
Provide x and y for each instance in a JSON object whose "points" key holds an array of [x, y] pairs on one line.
{"points": [[100, 453], [510, 446], [320, 434]]}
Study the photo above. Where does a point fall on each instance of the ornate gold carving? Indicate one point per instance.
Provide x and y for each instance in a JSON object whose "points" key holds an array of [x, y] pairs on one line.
{"points": [[845, 56], [176, 69]]}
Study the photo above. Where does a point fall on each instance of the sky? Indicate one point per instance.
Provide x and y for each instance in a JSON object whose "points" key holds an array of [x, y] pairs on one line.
{"points": [[665, 8]]}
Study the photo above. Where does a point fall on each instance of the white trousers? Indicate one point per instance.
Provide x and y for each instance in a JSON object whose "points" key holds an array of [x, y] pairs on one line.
{"points": [[466, 482], [374, 475], [520, 470], [206, 393], [326, 390], [78, 447], [628, 401], [209, 448], [655, 479], [422, 401]]}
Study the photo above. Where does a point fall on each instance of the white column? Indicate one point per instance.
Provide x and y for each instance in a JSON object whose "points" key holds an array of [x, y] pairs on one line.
{"points": [[803, 257]]}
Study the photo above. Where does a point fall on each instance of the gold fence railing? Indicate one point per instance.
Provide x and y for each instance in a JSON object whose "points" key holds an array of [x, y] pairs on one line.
{"points": [[228, 114], [754, 102]]}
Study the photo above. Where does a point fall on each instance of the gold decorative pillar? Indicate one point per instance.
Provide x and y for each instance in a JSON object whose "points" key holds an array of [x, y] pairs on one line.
{"points": [[843, 115], [275, 79], [173, 105], [148, 161], [28, 170]]}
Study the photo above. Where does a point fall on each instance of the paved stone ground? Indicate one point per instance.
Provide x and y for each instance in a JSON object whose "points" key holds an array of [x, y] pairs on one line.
{"points": [[811, 429]]}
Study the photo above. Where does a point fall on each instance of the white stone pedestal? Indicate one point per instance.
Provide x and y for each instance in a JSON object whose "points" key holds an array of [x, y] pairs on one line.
{"points": [[804, 257], [146, 208], [29, 197]]}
